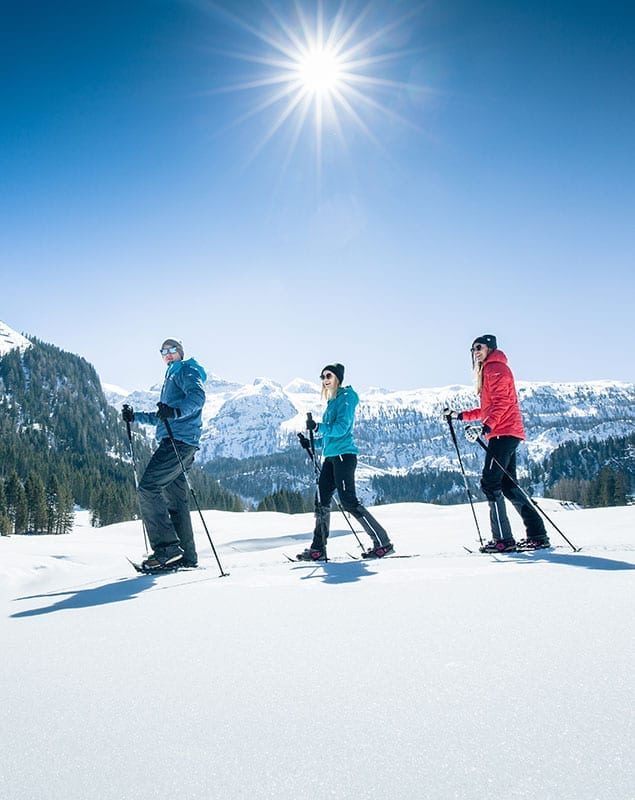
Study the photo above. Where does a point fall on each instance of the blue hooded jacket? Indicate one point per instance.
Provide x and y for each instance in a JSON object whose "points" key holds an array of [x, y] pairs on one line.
{"points": [[335, 432], [183, 390]]}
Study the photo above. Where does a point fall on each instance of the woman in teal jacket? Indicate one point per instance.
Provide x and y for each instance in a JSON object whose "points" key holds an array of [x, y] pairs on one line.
{"points": [[334, 436]]}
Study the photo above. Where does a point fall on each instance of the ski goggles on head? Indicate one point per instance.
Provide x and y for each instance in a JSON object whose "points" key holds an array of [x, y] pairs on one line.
{"points": [[167, 350]]}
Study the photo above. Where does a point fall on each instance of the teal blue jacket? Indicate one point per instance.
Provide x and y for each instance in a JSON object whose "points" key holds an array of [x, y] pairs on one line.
{"points": [[183, 390], [335, 432]]}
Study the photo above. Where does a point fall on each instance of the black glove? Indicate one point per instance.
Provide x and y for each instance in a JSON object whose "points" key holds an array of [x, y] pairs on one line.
{"points": [[167, 412], [450, 413], [304, 442], [127, 413], [311, 424]]}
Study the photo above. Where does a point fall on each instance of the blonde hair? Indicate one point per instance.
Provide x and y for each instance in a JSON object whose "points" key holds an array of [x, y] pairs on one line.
{"points": [[330, 392], [478, 377]]}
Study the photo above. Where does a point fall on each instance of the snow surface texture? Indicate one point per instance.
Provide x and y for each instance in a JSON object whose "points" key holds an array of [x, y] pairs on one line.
{"points": [[11, 340], [449, 675]]}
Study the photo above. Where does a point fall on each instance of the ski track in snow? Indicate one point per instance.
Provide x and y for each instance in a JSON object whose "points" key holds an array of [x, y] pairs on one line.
{"points": [[449, 675]]}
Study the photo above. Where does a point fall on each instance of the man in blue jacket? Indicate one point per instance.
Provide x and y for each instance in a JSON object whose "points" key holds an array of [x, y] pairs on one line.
{"points": [[163, 490]]}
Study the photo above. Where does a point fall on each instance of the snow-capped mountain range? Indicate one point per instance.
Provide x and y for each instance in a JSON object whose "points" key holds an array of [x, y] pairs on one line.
{"points": [[395, 430]]}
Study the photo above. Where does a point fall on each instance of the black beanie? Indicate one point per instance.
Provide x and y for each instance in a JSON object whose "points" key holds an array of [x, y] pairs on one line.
{"points": [[336, 369], [487, 339]]}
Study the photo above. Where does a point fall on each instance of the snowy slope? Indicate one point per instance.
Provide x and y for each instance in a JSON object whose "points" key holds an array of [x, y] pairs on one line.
{"points": [[11, 340], [445, 676]]}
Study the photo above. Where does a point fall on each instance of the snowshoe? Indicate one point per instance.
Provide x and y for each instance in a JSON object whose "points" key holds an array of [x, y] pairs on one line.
{"points": [[163, 558], [533, 544], [499, 546], [311, 554], [379, 551]]}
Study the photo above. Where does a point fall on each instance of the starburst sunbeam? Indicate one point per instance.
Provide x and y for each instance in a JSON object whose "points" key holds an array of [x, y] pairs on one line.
{"points": [[324, 72]]}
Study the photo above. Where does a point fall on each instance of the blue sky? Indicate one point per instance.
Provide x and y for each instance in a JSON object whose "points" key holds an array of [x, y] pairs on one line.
{"points": [[487, 186]]}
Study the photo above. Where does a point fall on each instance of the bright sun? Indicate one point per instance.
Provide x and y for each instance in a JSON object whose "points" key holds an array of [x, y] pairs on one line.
{"points": [[320, 71]]}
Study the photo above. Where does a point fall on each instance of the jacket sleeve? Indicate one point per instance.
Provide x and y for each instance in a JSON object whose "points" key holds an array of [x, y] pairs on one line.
{"points": [[146, 417], [472, 414], [189, 382]]}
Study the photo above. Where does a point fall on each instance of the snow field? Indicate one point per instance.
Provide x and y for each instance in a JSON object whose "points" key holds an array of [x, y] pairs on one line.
{"points": [[445, 676]]}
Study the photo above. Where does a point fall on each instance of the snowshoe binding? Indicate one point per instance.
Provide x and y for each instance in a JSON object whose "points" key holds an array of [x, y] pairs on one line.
{"points": [[379, 551], [311, 554], [499, 546], [164, 558], [539, 543]]}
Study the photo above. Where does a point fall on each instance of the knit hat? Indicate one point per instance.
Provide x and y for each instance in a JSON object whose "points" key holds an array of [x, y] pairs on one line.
{"points": [[336, 369], [174, 343], [487, 339]]}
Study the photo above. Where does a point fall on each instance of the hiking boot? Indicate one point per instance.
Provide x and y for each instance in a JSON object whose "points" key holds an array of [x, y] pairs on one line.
{"points": [[152, 564], [379, 551], [311, 554], [537, 543], [187, 563], [163, 557], [498, 546]]}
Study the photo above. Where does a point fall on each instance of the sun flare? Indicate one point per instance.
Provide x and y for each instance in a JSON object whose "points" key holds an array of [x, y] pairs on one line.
{"points": [[322, 74], [320, 71]]}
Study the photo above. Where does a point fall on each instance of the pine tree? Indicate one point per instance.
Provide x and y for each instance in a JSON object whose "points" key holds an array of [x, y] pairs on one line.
{"points": [[16, 503], [20, 512], [65, 511], [5, 522], [36, 503]]}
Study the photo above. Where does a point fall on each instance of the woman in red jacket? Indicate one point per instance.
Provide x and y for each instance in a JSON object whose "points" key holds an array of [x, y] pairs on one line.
{"points": [[502, 425]]}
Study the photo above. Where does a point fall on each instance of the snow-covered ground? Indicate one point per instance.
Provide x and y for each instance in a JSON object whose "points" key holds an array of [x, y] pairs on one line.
{"points": [[444, 676], [10, 340]]}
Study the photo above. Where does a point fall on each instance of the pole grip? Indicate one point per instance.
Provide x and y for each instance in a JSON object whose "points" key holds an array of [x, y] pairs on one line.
{"points": [[309, 418]]}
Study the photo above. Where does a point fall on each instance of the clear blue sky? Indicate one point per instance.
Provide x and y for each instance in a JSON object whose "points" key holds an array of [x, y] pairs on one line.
{"points": [[488, 187]]}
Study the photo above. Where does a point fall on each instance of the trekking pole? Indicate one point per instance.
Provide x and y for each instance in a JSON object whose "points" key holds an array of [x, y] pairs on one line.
{"points": [[467, 487], [136, 484], [316, 469], [527, 496], [168, 427]]}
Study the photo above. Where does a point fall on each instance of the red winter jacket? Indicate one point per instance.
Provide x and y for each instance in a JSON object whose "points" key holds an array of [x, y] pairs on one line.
{"points": [[499, 402]]}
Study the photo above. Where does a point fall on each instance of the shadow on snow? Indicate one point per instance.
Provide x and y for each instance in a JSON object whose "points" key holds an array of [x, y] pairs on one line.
{"points": [[571, 560], [118, 592], [337, 572]]}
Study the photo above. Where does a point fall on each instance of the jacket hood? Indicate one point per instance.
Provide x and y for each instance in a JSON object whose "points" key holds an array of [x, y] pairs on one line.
{"points": [[175, 366], [349, 392], [496, 355]]}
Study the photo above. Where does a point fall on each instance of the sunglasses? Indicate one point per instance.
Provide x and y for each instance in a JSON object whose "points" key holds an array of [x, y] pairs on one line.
{"points": [[166, 350], [477, 347], [326, 375]]}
